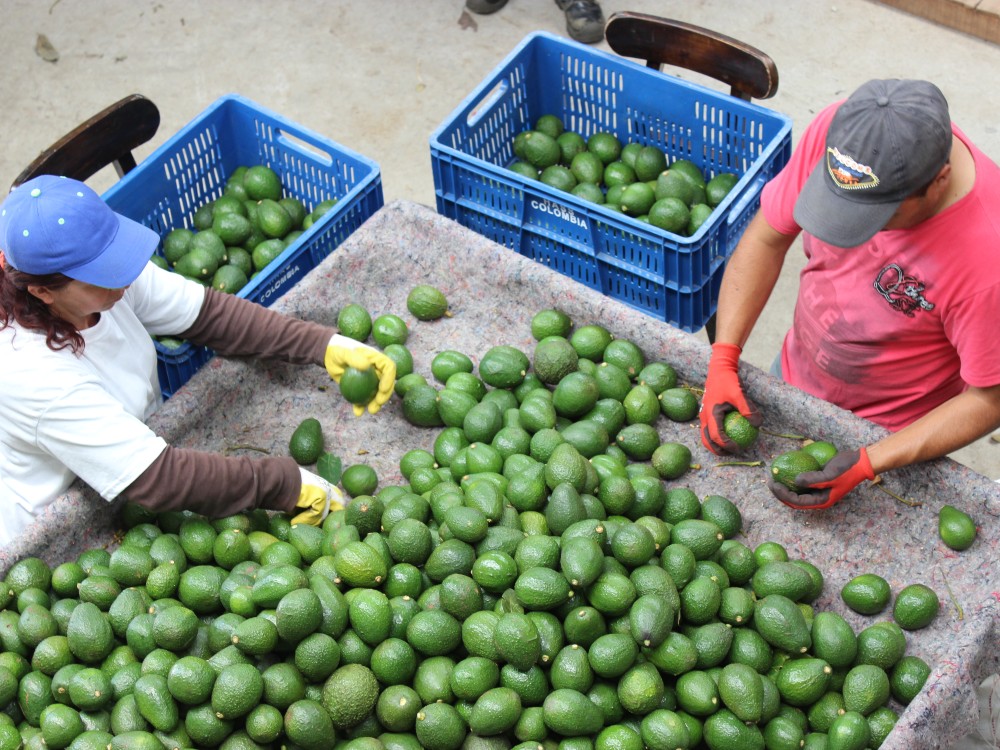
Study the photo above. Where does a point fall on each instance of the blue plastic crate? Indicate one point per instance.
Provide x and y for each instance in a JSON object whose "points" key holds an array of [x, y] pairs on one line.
{"points": [[674, 279], [191, 168]]}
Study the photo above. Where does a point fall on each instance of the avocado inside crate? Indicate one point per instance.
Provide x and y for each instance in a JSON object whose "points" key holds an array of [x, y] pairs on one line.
{"points": [[191, 169], [672, 278], [251, 408]]}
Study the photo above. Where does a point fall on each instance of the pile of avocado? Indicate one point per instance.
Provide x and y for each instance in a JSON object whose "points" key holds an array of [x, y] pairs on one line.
{"points": [[238, 234], [631, 178], [234, 237], [541, 578]]}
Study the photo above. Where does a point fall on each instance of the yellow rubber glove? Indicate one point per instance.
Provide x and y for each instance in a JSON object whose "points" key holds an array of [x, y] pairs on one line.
{"points": [[343, 352], [316, 499]]}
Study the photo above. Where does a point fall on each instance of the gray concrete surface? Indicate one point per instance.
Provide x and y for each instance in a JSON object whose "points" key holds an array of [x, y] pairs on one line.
{"points": [[380, 75]]}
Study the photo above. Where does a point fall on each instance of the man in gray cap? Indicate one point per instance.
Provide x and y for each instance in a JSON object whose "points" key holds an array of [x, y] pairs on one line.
{"points": [[896, 314]]}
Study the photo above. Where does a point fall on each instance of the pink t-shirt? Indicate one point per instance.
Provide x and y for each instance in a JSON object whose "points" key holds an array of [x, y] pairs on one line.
{"points": [[896, 326]]}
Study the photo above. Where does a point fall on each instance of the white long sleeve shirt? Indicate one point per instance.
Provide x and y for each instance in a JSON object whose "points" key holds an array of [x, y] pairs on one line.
{"points": [[47, 428]]}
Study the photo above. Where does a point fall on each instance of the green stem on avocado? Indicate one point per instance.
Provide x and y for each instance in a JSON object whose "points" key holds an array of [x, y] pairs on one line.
{"points": [[877, 482], [954, 601], [783, 434]]}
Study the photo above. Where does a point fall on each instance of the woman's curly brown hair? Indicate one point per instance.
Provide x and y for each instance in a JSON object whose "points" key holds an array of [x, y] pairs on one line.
{"points": [[18, 305]]}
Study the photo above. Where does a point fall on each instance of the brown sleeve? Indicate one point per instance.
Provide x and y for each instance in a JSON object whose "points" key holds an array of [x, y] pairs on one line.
{"points": [[214, 485], [236, 327]]}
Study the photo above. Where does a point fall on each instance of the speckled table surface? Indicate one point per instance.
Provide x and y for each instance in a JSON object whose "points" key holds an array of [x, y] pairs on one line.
{"points": [[493, 293]]}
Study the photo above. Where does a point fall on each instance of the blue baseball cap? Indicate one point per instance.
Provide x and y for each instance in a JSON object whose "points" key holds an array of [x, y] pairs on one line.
{"points": [[55, 224]]}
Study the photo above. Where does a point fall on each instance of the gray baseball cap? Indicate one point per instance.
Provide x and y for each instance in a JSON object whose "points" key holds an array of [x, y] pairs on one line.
{"points": [[885, 142]]}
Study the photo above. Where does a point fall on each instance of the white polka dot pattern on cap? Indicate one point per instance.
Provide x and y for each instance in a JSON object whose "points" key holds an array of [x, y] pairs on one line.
{"points": [[58, 225]]}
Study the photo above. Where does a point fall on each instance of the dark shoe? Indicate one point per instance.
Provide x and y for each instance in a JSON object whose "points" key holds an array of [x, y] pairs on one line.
{"points": [[584, 20], [484, 7]]}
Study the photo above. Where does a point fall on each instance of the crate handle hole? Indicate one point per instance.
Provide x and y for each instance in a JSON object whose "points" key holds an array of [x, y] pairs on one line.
{"points": [[492, 97], [309, 149]]}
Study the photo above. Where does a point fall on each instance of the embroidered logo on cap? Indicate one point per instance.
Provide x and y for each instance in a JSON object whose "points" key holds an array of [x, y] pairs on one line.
{"points": [[847, 173]]}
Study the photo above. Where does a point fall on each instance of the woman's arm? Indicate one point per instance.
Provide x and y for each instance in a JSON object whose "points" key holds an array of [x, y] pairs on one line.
{"points": [[215, 485], [236, 327]]}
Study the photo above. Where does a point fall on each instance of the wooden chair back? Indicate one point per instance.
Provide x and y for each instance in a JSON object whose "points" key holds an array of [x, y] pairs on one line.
{"points": [[107, 138], [749, 72]]}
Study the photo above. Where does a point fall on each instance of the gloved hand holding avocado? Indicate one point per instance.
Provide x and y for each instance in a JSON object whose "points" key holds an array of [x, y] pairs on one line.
{"points": [[345, 358], [344, 354], [724, 394], [796, 478], [824, 487]]}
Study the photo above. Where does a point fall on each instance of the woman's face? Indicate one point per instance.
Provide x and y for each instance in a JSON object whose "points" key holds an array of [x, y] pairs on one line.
{"points": [[78, 303]]}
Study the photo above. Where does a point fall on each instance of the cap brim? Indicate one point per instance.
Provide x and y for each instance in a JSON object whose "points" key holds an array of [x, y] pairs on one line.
{"points": [[122, 260], [828, 215]]}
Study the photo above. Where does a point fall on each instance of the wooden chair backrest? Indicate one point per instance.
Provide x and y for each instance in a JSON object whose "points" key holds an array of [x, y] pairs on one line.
{"points": [[107, 138], [749, 72]]}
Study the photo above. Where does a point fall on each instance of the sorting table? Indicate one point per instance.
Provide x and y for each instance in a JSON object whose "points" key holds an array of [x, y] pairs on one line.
{"points": [[250, 406]]}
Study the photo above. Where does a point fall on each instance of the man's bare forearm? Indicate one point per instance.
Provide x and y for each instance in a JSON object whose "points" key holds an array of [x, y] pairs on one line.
{"points": [[954, 424]]}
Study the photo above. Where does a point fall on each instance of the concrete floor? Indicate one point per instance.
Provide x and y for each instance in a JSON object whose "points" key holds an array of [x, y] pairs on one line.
{"points": [[379, 76]]}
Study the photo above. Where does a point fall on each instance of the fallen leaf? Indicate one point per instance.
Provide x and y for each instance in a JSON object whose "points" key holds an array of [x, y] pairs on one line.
{"points": [[45, 50], [466, 21], [329, 467]]}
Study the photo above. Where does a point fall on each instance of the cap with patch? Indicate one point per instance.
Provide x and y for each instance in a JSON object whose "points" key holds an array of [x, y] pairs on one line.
{"points": [[885, 142], [59, 225]]}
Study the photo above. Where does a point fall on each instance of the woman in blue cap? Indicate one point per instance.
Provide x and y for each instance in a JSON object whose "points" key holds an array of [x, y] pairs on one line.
{"points": [[78, 304]]}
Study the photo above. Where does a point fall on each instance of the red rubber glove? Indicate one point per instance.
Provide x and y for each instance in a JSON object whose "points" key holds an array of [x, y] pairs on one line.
{"points": [[723, 394], [842, 473]]}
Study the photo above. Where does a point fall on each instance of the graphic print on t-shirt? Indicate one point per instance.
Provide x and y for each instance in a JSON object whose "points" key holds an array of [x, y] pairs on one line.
{"points": [[903, 293], [831, 332]]}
